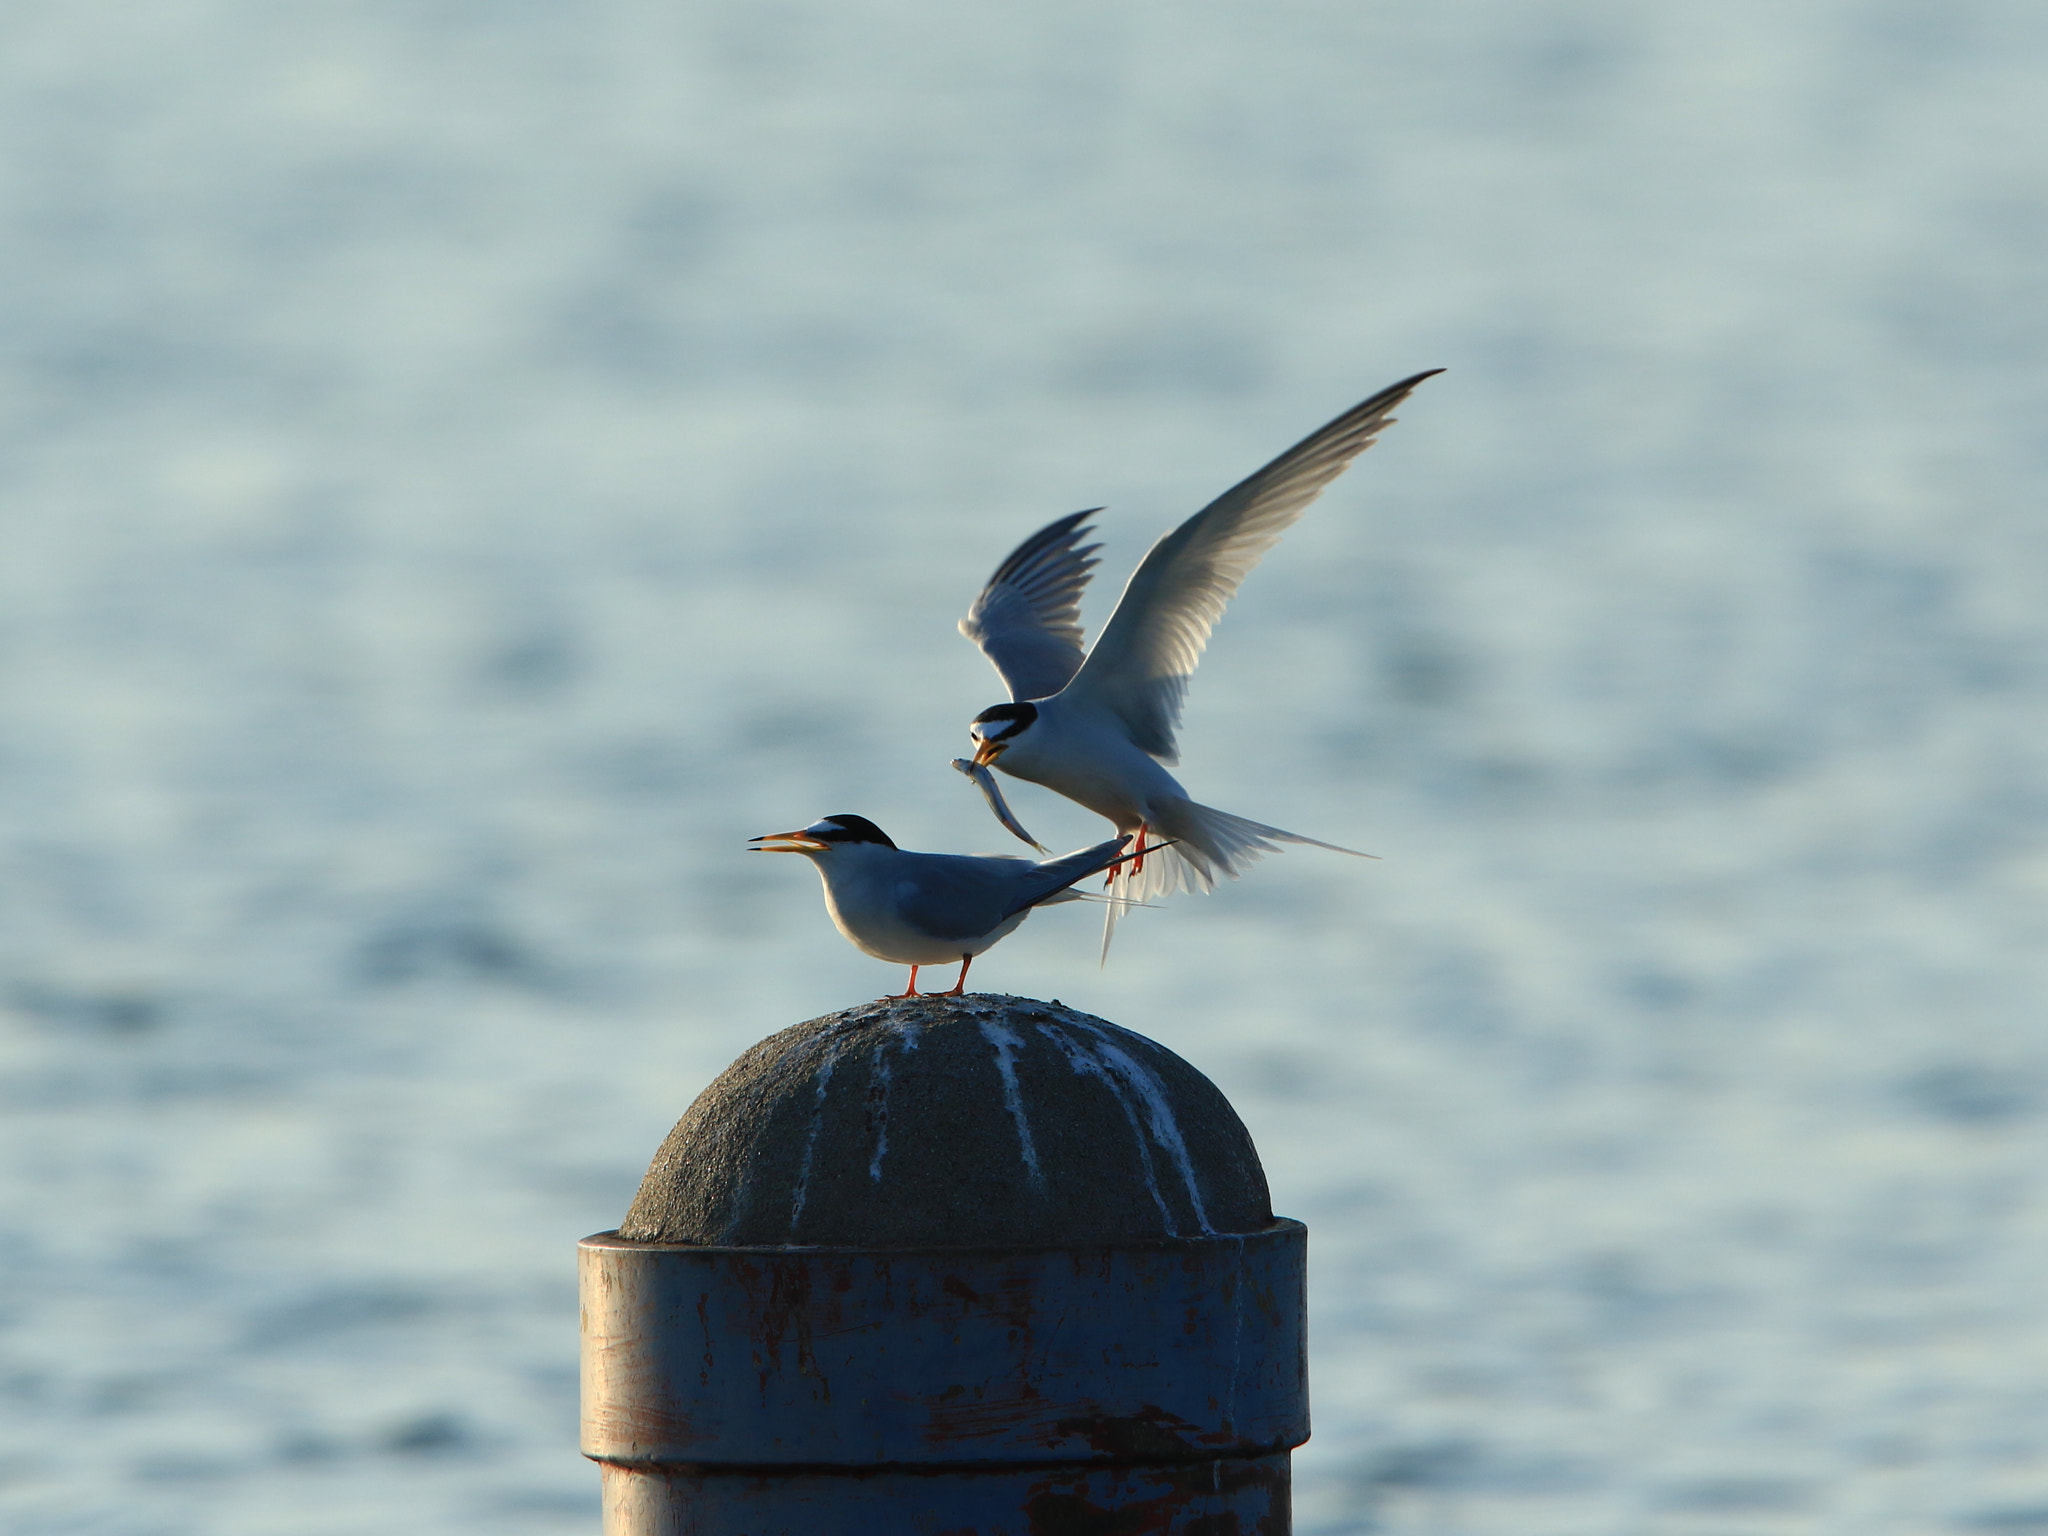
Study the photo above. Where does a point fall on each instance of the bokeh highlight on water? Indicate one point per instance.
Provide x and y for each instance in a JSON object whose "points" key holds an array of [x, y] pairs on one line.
{"points": [[470, 466]]}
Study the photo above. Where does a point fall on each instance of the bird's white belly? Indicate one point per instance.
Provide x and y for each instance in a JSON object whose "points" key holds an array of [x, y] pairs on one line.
{"points": [[867, 909], [1093, 764]]}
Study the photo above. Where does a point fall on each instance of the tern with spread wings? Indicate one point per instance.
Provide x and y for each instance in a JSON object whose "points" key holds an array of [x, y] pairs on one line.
{"points": [[1099, 727]]}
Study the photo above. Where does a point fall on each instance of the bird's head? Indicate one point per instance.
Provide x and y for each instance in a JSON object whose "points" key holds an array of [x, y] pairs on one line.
{"points": [[995, 728], [822, 836]]}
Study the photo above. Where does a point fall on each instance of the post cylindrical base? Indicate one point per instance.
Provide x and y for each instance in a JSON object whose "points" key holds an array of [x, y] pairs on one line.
{"points": [[1183, 1498]]}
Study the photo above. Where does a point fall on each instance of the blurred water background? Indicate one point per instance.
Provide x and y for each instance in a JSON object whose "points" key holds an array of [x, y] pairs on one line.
{"points": [[470, 464]]}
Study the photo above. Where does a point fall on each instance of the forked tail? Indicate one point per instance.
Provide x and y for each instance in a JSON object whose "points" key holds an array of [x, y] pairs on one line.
{"points": [[1209, 844]]}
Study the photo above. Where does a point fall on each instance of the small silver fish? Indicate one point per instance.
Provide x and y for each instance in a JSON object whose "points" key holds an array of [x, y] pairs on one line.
{"points": [[986, 783]]}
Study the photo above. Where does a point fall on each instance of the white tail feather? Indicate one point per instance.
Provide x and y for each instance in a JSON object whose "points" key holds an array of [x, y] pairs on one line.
{"points": [[1208, 843]]}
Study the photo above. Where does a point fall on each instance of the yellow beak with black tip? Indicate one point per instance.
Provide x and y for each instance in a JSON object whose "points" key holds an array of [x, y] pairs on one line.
{"points": [[988, 752]]}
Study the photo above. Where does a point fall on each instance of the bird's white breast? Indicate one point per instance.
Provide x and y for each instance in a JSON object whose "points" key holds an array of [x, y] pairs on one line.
{"points": [[1088, 756], [866, 890]]}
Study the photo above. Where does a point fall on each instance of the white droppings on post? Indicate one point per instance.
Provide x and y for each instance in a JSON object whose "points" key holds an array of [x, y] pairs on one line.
{"points": [[1085, 1064], [1144, 1082], [803, 1172], [880, 1114], [761, 1092], [1006, 1044]]}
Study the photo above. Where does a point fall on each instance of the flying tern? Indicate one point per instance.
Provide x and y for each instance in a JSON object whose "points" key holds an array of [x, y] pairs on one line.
{"points": [[1099, 727], [921, 909]]}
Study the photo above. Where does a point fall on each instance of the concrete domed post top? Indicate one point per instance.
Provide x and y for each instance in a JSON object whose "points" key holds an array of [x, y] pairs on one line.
{"points": [[978, 1264], [953, 1121]]}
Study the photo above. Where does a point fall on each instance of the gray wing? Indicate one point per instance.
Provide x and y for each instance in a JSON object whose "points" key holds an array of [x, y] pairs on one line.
{"points": [[1027, 620], [1140, 666], [962, 896], [1055, 875]]}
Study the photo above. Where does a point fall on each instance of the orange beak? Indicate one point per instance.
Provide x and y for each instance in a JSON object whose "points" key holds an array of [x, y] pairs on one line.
{"points": [[988, 752], [785, 842]]}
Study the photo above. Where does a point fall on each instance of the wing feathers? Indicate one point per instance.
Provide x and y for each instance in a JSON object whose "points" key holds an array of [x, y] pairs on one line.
{"points": [[959, 896], [1027, 620], [1140, 665], [1056, 875]]}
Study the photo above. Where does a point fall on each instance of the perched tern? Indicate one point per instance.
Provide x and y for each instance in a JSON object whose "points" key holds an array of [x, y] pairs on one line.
{"points": [[921, 909], [1099, 727]]}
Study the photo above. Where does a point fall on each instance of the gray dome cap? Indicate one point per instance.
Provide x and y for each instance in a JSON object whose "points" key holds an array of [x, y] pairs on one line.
{"points": [[981, 1120]]}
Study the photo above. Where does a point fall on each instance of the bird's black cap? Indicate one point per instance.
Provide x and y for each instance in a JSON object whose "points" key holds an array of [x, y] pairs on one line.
{"points": [[848, 828], [1020, 714]]}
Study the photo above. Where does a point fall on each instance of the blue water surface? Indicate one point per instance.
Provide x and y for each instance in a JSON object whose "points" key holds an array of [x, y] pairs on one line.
{"points": [[469, 466]]}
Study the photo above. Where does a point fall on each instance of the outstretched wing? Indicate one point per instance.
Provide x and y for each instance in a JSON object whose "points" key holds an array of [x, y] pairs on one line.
{"points": [[1027, 620], [1140, 666]]}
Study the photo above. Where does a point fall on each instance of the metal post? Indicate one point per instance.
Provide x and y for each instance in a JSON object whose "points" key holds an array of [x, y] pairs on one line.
{"points": [[976, 1266]]}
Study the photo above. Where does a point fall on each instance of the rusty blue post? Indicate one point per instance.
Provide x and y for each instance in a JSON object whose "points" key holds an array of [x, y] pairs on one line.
{"points": [[975, 1266]]}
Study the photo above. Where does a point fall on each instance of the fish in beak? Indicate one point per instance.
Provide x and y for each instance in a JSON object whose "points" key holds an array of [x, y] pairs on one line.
{"points": [[986, 783]]}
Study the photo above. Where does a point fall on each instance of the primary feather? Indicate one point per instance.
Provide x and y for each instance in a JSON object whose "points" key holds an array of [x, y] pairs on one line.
{"points": [[1027, 620], [1141, 663]]}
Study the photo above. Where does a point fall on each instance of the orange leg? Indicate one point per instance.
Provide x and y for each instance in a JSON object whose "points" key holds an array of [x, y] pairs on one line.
{"points": [[910, 991], [1136, 865], [960, 985]]}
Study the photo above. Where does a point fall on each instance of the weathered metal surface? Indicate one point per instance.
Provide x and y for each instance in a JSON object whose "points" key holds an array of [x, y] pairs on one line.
{"points": [[977, 1120], [1230, 1497], [1147, 1352], [974, 1266]]}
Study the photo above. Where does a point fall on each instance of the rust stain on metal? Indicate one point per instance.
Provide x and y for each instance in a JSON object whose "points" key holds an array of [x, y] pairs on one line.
{"points": [[1015, 1297], [740, 1357], [981, 1418], [781, 1312], [641, 1424], [1150, 1434], [704, 1327], [1067, 1511]]}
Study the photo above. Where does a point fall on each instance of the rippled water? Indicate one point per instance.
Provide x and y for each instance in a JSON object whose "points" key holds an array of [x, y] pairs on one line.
{"points": [[470, 466]]}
